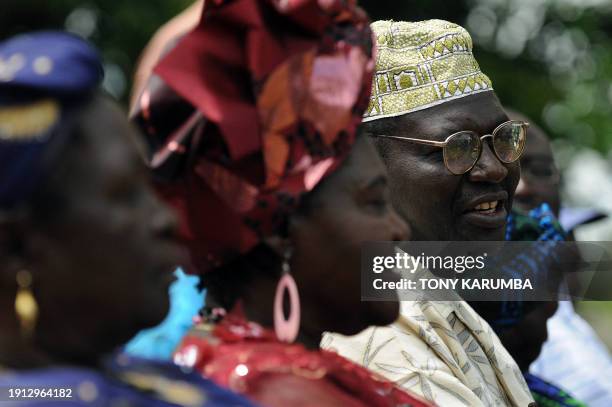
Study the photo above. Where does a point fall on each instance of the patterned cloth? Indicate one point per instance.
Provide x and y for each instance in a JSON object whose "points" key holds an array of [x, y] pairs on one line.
{"points": [[420, 65], [442, 351], [126, 382], [575, 359], [538, 225], [279, 88], [247, 358]]}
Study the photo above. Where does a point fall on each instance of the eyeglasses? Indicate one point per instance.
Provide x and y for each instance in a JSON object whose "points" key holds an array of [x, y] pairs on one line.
{"points": [[462, 150]]}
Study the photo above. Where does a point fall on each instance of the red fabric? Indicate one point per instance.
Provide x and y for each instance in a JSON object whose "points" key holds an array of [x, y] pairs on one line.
{"points": [[247, 359], [281, 86]]}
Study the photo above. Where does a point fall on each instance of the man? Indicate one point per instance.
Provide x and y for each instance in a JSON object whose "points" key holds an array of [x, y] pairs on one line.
{"points": [[540, 176], [573, 358], [427, 87], [540, 180]]}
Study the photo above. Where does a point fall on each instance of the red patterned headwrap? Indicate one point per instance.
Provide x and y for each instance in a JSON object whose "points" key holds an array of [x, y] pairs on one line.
{"points": [[277, 89]]}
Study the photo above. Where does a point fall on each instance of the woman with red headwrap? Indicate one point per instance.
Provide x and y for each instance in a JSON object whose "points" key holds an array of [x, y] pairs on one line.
{"points": [[252, 127]]}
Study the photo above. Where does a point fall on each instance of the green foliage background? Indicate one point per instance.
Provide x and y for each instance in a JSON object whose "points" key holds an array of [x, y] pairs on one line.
{"points": [[551, 59], [119, 28]]}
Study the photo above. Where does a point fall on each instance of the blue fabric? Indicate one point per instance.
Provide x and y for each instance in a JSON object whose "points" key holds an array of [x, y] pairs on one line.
{"points": [[540, 225], [548, 395], [126, 381], [41, 75], [161, 341]]}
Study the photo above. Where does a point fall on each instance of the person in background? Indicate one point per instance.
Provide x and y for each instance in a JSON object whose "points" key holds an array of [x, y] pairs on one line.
{"points": [[522, 325], [541, 181], [276, 193], [71, 186], [430, 109], [573, 357]]}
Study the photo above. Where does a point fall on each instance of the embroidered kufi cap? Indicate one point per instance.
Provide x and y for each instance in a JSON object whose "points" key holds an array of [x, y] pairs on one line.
{"points": [[420, 65]]}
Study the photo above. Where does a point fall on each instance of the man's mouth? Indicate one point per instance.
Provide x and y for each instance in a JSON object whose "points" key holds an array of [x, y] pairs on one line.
{"points": [[487, 212], [487, 207]]}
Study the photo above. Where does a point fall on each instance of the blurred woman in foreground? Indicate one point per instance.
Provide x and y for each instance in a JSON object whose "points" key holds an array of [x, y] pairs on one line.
{"points": [[86, 250]]}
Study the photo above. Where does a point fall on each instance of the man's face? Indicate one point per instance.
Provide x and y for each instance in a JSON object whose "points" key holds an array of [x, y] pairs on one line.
{"points": [[540, 177], [437, 204]]}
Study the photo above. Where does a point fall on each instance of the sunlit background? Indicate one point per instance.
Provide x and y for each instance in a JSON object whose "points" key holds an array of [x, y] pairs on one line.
{"points": [[550, 59]]}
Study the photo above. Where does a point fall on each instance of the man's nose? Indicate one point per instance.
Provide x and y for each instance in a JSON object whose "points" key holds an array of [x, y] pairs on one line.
{"points": [[488, 168]]}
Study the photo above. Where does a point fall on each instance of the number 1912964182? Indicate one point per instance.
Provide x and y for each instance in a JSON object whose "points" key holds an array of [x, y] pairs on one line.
{"points": [[28, 393]]}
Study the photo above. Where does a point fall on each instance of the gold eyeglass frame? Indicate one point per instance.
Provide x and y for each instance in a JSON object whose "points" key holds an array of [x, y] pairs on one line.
{"points": [[443, 144]]}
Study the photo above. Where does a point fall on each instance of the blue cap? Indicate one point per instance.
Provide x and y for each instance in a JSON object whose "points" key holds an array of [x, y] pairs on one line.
{"points": [[49, 62], [42, 75]]}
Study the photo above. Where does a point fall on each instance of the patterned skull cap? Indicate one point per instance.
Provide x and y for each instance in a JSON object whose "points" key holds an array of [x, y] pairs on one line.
{"points": [[420, 65]]}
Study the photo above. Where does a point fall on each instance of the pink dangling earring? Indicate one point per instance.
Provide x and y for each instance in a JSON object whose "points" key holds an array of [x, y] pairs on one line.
{"points": [[287, 328]]}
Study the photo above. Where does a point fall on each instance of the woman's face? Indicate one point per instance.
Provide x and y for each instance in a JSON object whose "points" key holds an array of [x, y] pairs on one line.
{"points": [[350, 207], [102, 265]]}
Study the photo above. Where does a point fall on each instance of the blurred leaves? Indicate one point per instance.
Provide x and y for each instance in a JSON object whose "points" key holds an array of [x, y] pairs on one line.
{"points": [[551, 59], [120, 29]]}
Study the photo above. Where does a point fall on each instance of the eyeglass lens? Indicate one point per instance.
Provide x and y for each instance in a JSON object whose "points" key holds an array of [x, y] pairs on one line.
{"points": [[463, 149]]}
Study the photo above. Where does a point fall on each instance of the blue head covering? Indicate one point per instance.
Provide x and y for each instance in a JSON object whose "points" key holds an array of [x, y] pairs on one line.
{"points": [[43, 76]]}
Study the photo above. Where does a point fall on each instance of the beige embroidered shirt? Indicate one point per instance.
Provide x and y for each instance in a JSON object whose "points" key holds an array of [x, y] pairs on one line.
{"points": [[441, 350]]}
